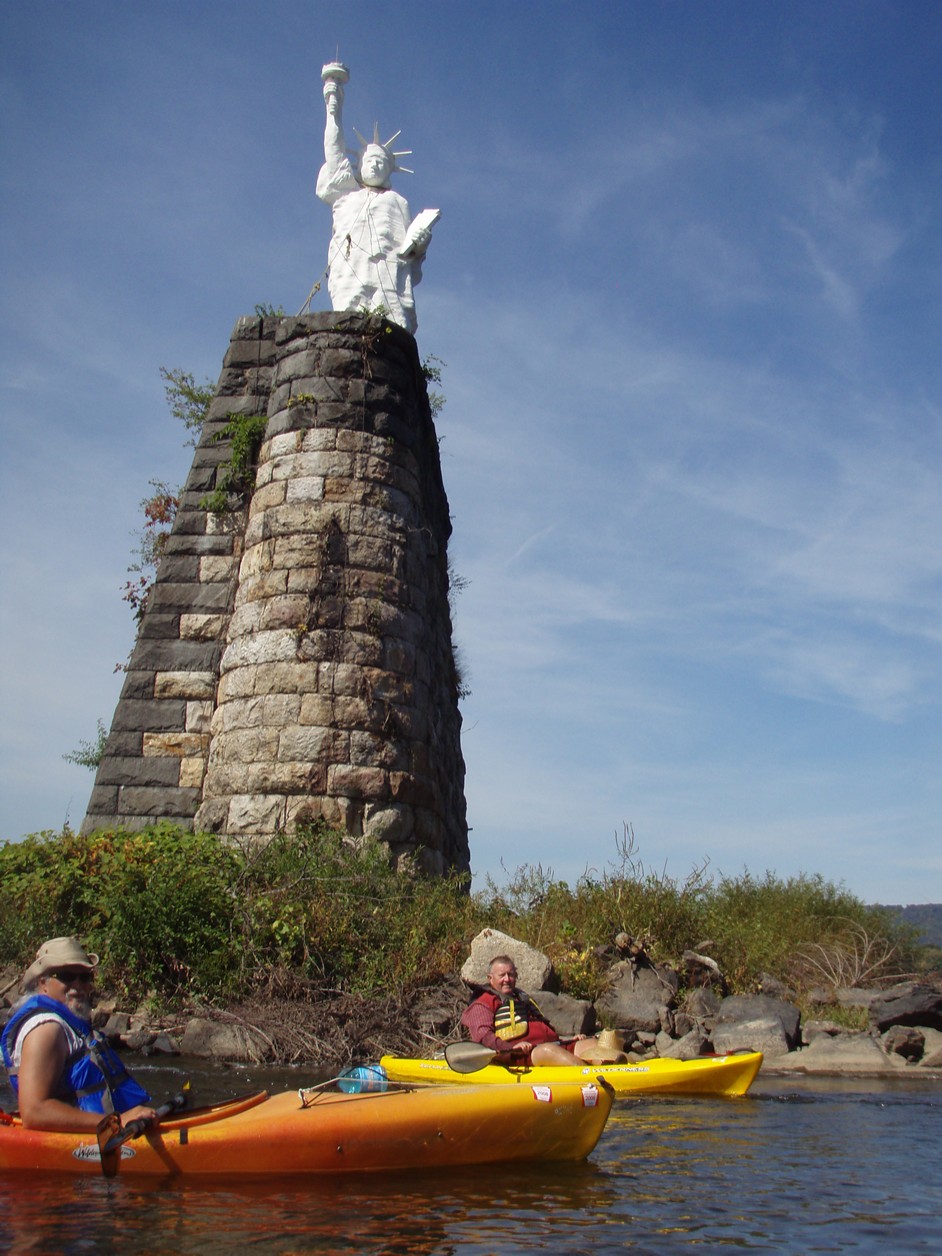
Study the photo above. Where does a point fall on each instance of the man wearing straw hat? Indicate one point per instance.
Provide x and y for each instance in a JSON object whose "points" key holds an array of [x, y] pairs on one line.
{"points": [[507, 1021], [65, 1075]]}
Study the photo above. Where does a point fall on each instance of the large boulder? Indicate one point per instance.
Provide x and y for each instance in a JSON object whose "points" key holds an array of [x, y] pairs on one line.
{"points": [[760, 1013], [221, 1040], [534, 969], [567, 1015], [904, 1040], [762, 1033], [688, 1047], [638, 999], [932, 1051], [843, 1053], [701, 1004], [909, 1003]]}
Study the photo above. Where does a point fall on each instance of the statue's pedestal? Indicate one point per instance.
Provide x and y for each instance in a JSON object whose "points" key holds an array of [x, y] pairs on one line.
{"points": [[295, 658]]}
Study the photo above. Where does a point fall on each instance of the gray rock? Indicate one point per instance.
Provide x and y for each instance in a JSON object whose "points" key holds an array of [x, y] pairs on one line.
{"points": [[117, 1025], [635, 998], [663, 1042], [219, 1040], [567, 1015], [702, 971], [932, 1051], [816, 1029], [701, 1004], [759, 1007], [909, 1003], [683, 1024], [686, 1048], [534, 969], [765, 1034], [904, 1040], [163, 1044], [846, 1053]]}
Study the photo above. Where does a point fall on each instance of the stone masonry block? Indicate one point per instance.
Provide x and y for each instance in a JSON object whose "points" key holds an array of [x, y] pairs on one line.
{"points": [[256, 813], [358, 782], [124, 745], [103, 800], [313, 745], [247, 619], [174, 656], [317, 709], [199, 716], [176, 745], [267, 584], [162, 802], [242, 746], [191, 597], [217, 569], [138, 684], [372, 750], [305, 488], [185, 685], [296, 677], [320, 440], [160, 626], [179, 568], [250, 353], [264, 647], [237, 684], [281, 446], [192, 772], [134, 714], [198, 544], [291, 611], [256, 559], [273, 494], [136, 771], [202, 627]]}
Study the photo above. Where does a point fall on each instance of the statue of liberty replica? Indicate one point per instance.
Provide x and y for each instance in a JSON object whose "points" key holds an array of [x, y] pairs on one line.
{"points": [[377, 248]]}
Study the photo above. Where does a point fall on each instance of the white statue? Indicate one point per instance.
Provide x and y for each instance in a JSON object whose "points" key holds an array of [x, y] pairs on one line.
{"points": [[377, 248]]}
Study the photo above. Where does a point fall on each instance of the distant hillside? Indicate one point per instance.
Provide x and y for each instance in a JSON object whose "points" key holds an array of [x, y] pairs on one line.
{"points": [[926, 917]]}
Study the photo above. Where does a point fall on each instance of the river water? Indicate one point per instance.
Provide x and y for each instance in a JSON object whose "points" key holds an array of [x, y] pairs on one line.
{"points": [[797, 1166]]}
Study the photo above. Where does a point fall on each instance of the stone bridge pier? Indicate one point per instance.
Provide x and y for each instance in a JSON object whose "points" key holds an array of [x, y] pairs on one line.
{"points": [[295, 658]]}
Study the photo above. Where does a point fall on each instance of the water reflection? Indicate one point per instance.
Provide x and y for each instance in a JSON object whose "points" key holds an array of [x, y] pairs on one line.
{"points": [[794, 1167]]}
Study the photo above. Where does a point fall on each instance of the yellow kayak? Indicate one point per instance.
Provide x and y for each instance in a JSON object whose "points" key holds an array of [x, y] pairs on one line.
{"points": [[706, 1075], [314, 1132]]}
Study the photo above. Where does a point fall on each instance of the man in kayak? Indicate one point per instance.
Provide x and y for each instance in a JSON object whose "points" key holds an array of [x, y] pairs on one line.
{"points": [[64, 1074], [507, 1020]]}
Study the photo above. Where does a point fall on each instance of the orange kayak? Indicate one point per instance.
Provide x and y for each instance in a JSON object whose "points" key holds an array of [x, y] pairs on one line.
{"points": [[316, 1132]]}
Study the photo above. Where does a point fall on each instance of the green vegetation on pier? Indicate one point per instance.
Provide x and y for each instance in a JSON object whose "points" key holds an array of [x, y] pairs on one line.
{"points": [[177, 915]]}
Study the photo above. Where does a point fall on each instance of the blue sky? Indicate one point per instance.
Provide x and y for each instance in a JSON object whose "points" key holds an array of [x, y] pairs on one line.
{"points": [[686, 288]]}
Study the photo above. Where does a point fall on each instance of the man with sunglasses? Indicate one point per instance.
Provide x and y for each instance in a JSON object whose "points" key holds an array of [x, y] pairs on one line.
{"points": [[65, 1075]]}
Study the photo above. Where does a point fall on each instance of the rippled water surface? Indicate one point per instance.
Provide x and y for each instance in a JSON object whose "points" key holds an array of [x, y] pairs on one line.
{"points": [[799, 1165]]}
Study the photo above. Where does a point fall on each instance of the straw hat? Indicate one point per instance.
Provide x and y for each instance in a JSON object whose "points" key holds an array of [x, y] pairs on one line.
{"points": [[609, 1049], [59, 953]]}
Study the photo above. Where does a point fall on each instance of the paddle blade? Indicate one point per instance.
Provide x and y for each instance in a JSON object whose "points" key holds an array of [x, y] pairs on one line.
{"points": [[468, 1057], [108, 1127]]}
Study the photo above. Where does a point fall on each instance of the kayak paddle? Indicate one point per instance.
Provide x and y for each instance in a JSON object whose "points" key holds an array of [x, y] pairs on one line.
{"points": [[112, 1134], [468, 1057]]}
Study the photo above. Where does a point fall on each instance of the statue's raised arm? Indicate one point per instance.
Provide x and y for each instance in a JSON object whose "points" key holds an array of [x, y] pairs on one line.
{"points": [[376, 251]]}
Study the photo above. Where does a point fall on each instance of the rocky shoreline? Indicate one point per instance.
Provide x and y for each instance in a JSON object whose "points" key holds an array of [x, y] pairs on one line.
{"points": [[903, 1034], [902, 1038]]}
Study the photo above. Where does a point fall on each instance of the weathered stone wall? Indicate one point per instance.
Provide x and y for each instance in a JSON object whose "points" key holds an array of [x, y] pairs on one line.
{"points": [[295, 659]]}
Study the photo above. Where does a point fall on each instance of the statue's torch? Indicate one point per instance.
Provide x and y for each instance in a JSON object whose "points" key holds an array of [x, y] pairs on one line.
{"points": [[334, 74]]}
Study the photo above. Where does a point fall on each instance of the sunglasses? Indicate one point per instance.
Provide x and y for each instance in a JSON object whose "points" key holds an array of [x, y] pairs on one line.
{"points": [[70, 975]]}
